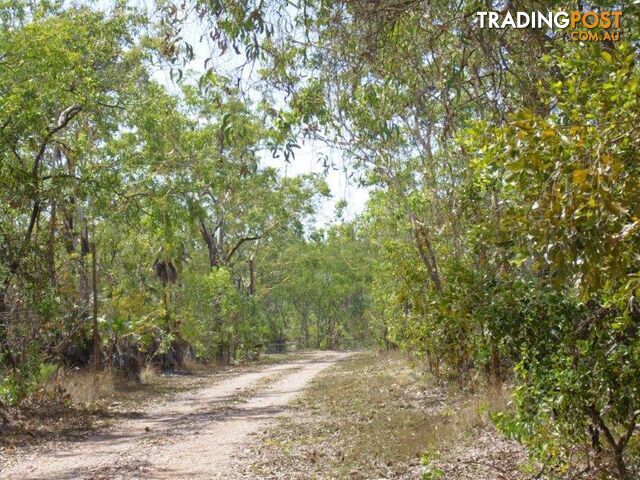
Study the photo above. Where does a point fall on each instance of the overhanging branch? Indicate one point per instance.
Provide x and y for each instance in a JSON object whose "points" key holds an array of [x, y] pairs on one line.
{"points": [[240, 242]]}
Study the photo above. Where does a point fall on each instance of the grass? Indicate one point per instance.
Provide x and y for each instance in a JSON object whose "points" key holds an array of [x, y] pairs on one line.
{"points": [[85, 387], [375, 411], [373, 416]]}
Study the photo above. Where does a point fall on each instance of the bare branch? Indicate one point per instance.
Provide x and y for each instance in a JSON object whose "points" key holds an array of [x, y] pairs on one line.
{"points": [[63, 120], [240, 242]]}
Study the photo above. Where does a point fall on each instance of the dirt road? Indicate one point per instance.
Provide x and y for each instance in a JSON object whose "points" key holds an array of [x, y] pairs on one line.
{"points": [[195, 436]]}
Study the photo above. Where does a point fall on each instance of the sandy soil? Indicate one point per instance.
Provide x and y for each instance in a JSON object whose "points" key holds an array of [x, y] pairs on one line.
{"points": [[195, 436]]}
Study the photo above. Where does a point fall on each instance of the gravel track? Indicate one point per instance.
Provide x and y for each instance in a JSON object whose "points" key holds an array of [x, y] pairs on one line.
{"points": [[194, 436]]}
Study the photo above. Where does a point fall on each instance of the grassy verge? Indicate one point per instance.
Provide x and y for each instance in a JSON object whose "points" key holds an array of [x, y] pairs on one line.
{"points": [[374, 416]]}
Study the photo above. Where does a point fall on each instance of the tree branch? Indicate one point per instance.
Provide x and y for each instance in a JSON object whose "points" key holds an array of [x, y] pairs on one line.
{"points": [[240, 242], [63, 120]]}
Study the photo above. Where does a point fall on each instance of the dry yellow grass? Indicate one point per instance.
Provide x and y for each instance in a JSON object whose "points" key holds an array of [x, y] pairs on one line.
{"points": [[148, 375], [372, 416], [85, 386]]}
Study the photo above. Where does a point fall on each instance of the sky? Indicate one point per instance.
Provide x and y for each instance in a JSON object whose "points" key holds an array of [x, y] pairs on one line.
{"points": [[307, 159]]}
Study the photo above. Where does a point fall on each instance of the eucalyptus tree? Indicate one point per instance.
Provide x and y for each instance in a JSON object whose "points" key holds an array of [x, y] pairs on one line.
{"points": [[318, 288], [66, 75]]}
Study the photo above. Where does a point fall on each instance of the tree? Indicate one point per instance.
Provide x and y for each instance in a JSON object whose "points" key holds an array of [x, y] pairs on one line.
{"points": [[65, 78]]}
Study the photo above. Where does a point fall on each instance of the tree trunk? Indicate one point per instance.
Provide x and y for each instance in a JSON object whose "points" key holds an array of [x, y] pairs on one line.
{"points": [[5, 352], [51, 247], [85, 250], [330, 335], [304, 327], [385, 333], [96, 333], [210, 240], [165, 304], [252, 278], [617, 447], [426, 252], [317, 332], [496, 372]]}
